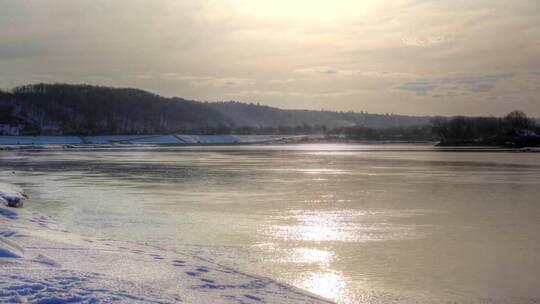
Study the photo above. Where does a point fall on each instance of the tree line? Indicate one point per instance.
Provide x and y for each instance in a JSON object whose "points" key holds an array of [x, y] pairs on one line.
{"points": [[513, 130]]}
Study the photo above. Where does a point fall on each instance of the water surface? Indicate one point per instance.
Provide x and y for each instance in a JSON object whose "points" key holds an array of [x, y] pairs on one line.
{"points": [[353, 223]]}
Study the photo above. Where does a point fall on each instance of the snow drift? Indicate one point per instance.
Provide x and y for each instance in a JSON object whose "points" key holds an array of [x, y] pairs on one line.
{"points": [[11, 195]]}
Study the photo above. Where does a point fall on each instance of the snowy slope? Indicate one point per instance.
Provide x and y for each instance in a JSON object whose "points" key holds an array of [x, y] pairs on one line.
{"points": [[209, 139], [141, 139], [179, 139], [42, 263], [40, 140]]}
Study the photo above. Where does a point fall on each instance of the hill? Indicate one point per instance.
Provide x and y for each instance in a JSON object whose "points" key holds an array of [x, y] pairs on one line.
{"points": [[64, 109]]}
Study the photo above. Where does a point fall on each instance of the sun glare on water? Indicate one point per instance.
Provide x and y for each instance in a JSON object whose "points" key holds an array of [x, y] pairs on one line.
{"points": [[328, 284]]}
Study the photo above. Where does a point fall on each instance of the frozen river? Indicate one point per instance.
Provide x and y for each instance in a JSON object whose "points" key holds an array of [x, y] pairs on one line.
{"points": [[353, 223]]}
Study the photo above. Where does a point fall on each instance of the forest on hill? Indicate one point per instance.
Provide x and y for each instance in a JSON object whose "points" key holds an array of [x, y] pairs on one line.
{"points": [[64, 109]]}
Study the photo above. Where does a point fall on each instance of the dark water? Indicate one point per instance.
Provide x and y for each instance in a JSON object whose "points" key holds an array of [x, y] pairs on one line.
{"points": [[357, 224]]}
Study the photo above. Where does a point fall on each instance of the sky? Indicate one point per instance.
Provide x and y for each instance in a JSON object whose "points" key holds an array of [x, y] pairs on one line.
{"points": [[443, 57]]}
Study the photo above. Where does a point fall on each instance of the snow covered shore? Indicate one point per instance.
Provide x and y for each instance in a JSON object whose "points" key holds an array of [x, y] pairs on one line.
{"points": [[42, 263], [172, 139]]}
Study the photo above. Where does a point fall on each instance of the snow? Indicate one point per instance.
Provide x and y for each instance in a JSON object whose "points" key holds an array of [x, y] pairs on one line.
{"points": [[164, 139], [178, 139], [40, 140], [140, 139], [254, 139], [109, 139], [42, 263], [11, 195], [209, 139]]}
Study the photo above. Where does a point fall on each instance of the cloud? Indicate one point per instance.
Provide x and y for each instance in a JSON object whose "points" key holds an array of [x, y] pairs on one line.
{"points": [[386, 74], [351, 55], [198, 81], [318, 70], [455, 83], [282, 81], [482, 87], [353, 72], [424, 41], [420, 87], [329, 71]]}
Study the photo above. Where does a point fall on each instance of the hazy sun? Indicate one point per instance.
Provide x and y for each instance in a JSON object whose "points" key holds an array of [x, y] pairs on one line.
{"points": [[304, 10]]}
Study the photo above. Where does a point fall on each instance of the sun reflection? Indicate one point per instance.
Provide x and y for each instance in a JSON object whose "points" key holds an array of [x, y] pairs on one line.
{"points": [[306, 255], [324, 171], [328, 284], [344, 226], [324, 147]]}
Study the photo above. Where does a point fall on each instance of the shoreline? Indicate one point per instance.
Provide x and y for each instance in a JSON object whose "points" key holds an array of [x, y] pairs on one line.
{"points": [[40, 262], [158, 139], [184, 140], [399, 147]]}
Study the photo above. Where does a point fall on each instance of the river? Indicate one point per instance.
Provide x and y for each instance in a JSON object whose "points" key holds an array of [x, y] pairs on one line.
{"points": [[353, 223]]}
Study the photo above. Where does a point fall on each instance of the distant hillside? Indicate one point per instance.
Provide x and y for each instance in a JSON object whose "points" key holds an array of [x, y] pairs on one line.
{"points": [[62, 109]]}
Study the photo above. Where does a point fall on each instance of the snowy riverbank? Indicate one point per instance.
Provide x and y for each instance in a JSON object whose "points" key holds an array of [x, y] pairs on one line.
{"points": [[172, 139], [42, 263]]}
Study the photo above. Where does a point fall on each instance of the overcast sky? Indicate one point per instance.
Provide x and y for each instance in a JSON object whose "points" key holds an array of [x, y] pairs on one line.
{"points": [[475, 57]]}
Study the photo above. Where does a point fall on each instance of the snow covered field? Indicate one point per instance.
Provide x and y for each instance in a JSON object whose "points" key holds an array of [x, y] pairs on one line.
{"points": [[43, 263], [178, 139]]}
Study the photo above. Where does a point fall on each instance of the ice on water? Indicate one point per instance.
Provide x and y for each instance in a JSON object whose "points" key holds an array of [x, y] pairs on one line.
{"points": [[42, 263]]}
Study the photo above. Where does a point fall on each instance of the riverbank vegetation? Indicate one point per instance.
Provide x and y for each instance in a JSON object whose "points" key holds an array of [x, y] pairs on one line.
{"points": [[513, 130]]}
